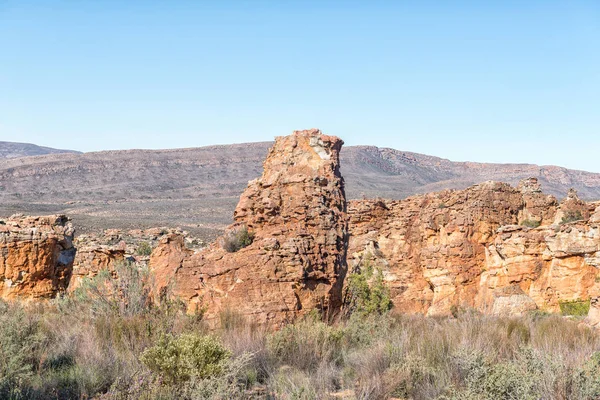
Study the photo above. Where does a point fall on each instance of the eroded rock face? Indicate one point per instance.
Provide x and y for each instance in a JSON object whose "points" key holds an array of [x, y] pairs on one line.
{"points": [[468, 249], [297, 259], [106, 250], [550, 264], [36, 256], [166, 260], [492, 247], [572, 208], [433, 245]]}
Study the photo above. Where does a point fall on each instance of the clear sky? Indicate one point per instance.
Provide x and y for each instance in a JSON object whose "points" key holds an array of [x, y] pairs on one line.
{"points": [[492, 81]]}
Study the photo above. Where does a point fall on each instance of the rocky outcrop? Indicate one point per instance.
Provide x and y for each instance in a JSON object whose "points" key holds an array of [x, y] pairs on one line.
{"points": [[491, 247], [551, 264], [36, 256], [166, 260], [296, 262], [432, 246], [104, 251]]}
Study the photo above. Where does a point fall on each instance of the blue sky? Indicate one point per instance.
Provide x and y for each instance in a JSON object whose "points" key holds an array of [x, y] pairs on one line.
{"points": [[506, 81]]}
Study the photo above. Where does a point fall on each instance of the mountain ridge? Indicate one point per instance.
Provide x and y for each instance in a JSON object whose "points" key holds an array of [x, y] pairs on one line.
{"points": [[197, 188], [10, 150]]}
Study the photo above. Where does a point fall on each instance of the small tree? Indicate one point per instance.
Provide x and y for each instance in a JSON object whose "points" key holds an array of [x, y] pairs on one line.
{"points": [[366, 292]]}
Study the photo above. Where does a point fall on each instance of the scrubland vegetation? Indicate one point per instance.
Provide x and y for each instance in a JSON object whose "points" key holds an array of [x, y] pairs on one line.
{"points": [[109, 341]]}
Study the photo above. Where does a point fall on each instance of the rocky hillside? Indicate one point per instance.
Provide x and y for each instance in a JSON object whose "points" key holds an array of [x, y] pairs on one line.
{"points": [[198, 188], [16, 150], [381, 172]]}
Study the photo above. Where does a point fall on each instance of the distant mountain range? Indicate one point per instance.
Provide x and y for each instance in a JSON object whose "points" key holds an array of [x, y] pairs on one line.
{"points": [[15, 150], [198, 188]]}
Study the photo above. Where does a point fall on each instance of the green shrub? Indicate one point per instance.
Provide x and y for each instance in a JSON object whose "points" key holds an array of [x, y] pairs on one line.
{"points": [[366, 292], [178, 359], [306, 343], [126, 292], [571, 216], [21, 341], [485, 379], [586, 380], [531, 223], [144, 249], [237, 239], [290, 383], [576, 308]]}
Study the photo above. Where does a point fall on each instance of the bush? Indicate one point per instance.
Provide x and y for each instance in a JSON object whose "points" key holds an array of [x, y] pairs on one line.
{"points": [[21, 341], [305, 344], [237, 239], [571, 216], [574, 308], [144, 249], [366, 292], [529, 223], [290, 383], [178, 359], [157, 352], [126, 292], [489, 380]]}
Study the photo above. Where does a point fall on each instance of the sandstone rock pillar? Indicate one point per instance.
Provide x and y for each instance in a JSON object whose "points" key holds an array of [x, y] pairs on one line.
{"points": [[296, 213]]}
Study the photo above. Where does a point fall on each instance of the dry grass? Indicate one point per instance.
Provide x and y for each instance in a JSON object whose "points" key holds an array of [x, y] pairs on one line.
{"points": [[76, 349]]}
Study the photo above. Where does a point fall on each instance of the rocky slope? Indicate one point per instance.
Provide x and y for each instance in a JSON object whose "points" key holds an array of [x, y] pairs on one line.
{"points": [[198, 189], [16, 150]]}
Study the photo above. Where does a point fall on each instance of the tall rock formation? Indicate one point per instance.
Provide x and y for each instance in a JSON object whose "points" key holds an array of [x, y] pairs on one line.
{"points": [[36, 256], [296, 262]]}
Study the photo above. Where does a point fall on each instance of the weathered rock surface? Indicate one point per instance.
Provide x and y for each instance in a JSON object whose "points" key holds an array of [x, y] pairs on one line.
{"points": [[550, 264], [493, 247], [467, 249], [36, 256], [113, 246], [434, 244], [297, 260]]}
